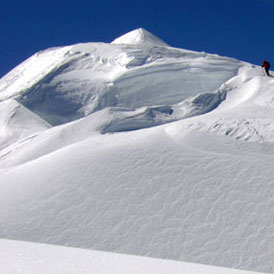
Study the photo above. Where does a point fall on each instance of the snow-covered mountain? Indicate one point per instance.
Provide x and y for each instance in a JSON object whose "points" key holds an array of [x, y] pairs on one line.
{"points": [[140, 148]]}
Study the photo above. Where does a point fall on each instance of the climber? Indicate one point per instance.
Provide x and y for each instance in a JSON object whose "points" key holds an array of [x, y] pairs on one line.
{"points": [[266, 66]]}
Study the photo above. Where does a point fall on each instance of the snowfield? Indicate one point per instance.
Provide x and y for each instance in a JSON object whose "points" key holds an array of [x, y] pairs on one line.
{"points": [[139, 148]]}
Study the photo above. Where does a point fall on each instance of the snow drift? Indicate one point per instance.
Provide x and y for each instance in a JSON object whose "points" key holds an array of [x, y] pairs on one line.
{"points": [[140, 148]]}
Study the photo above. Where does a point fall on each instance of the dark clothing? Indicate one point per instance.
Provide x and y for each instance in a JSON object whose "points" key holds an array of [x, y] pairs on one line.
{"points": [[266, 66]]}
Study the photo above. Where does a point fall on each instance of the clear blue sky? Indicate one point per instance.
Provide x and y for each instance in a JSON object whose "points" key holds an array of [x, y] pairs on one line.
{"points": [[237, 28]]}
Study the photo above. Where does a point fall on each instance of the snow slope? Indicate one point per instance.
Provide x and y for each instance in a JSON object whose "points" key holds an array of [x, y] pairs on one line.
{"points": [[27, 258], [140, 148]]}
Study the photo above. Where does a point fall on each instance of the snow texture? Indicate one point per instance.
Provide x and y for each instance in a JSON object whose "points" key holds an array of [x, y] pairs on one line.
{"points": [[26, 258], [140, 148]]}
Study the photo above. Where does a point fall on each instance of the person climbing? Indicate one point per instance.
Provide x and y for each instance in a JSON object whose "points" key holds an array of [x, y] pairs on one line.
{"points": [[266, 66]]}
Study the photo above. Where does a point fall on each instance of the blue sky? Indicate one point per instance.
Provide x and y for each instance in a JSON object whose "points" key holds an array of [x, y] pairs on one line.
{"points": [[237, 28]]}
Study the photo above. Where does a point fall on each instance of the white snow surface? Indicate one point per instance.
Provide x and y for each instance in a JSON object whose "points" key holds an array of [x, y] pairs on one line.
{"points": [[68, 83], [136, 147], [26, 258], [140, 37]]}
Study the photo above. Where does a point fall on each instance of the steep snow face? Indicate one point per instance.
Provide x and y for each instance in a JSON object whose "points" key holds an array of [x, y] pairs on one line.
{"points": [[246, 113], [31, 71], [193, 183], [64, 84]]}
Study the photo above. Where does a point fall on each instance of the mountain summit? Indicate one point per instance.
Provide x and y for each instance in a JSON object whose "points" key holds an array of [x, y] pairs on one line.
{"points": [[140, 37]]}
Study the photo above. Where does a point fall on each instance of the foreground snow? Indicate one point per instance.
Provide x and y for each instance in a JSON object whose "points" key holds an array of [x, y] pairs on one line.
{"points": [[140, 148], [29, 258]]}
